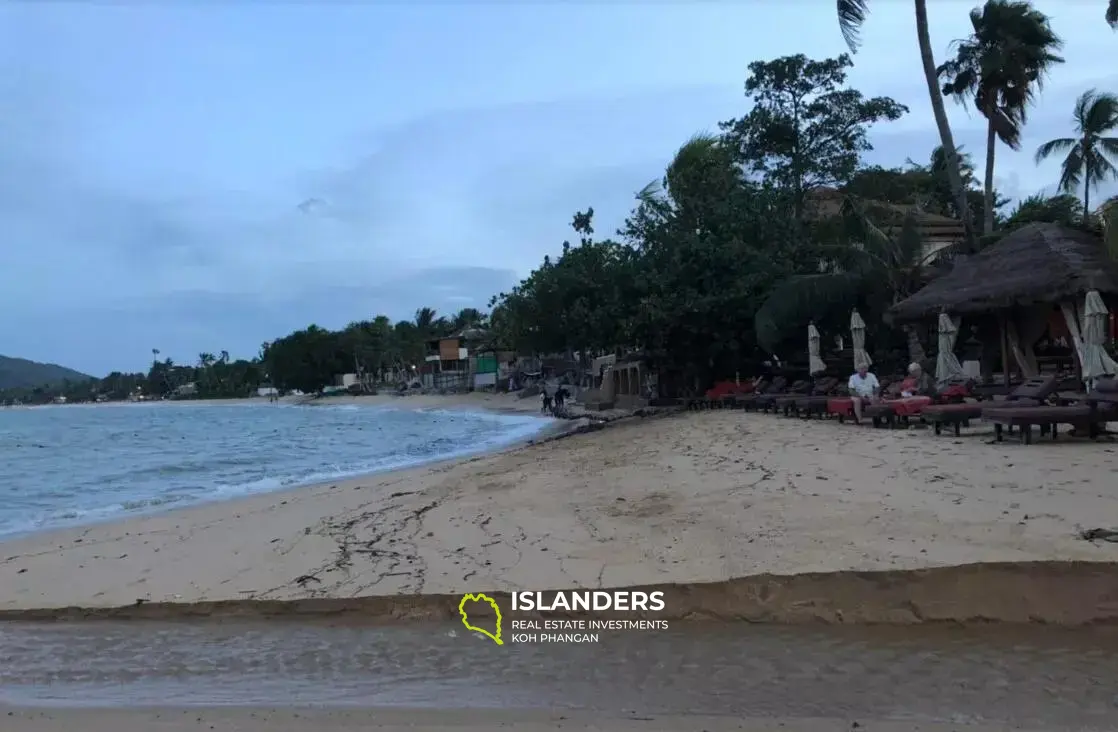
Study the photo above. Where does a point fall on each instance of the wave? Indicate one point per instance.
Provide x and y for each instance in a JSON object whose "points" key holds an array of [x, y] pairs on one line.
{"points": [[180, 456]]}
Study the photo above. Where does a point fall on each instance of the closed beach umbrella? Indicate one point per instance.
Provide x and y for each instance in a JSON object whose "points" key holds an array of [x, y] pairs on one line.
{"points": [[1096, 361], [815, 363], [858, 339], [947, 365]]}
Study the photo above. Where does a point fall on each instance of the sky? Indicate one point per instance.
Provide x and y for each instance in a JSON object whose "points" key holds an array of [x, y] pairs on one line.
{"points": [[203, 177]]}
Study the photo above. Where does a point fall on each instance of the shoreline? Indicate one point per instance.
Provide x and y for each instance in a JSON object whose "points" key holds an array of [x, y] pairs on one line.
{"points": [[746, 517], [551, 429]]}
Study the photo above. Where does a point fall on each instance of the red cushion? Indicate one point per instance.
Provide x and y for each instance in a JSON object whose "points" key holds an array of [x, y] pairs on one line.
{"points": [[843, 406]]}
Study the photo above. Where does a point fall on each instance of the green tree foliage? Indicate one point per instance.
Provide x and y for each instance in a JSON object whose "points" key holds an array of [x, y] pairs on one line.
{"points": [[806, 128]]}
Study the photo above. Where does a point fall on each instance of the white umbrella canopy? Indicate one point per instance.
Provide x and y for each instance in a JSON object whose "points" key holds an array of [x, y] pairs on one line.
{"points": [[1096, 361], [947, 364], [858, 339], [815, 363]]}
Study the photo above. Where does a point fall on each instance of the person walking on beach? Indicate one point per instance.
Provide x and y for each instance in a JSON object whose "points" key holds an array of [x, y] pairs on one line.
{"points": [[546, 400], [864, 388]]}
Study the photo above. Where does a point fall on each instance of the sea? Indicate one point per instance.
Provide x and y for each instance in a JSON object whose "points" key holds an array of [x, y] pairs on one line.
{"points": [[72, 465]]}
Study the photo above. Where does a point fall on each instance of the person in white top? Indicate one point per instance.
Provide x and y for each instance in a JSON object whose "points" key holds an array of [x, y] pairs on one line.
{"points": [[864, 389]]}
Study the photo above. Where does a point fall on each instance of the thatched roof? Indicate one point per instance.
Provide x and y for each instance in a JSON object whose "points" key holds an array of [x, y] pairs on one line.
{"points": [[1037, 263]]}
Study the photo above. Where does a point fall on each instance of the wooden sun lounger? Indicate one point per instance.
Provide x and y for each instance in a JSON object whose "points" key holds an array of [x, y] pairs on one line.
{"points": [[750, 401], [783, 402], [1031, 393], [1099, 407], [892, 412], [816, 403]]}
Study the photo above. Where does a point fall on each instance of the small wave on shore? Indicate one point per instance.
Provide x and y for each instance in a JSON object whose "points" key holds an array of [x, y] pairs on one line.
{"points": [[74, 466]]}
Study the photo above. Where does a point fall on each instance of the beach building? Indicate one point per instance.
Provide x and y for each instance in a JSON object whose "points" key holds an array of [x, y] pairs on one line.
{"points": [[937, 231], [1027, 289], [452, 361]]}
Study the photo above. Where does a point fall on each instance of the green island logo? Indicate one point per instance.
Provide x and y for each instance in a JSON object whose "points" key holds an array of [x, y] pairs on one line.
{"points": [[481, 597]]}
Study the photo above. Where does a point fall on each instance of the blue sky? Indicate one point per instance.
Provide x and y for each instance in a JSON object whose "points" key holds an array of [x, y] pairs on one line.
{"points": [[153, 159]]}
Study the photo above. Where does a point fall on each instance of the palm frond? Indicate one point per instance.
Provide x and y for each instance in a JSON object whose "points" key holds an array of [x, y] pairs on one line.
{"points": [[651, 192], [1101, 114], [1109, 145], [1071, 171], [851, 15], [795, 302], [1052, 147]]}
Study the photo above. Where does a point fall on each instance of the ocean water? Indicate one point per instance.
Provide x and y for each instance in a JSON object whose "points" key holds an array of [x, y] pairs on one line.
{"points": [[71, 465]]}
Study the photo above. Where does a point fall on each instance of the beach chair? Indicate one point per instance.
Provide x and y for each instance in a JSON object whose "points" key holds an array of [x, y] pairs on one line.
{"points": [[816, 402], [1098, 407], [750, 401], [842, 406], [900, 410], [749, 392], [1031, 393], [782, 402]]}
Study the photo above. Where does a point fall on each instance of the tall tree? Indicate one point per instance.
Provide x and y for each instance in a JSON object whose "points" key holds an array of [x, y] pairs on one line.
{"points": [[852, 15], [1091, 154], [806, 128], [999, 69]]}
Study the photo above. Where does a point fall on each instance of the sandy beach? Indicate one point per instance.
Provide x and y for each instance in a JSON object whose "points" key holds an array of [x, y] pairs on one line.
{"points": [[288, 720], [685, 499]]}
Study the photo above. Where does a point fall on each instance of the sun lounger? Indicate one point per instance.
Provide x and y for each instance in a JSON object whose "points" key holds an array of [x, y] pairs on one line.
{"points": [[1031, 393], [816, 403], [1099, 406], [843, 406], [892, 412], [783, 402], [749, 401]]}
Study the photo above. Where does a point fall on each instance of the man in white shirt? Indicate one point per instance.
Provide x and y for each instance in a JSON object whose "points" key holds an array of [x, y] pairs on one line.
{"points": [[864, 388]]}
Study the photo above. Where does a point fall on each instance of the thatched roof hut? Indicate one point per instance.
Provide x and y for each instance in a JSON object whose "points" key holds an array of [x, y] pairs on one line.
{"points": [[1038, 263]]}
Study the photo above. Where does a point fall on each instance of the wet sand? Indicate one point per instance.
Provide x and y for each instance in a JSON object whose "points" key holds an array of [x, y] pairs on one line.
{"points": [[697, 676], [285, 720], [687, 499]]}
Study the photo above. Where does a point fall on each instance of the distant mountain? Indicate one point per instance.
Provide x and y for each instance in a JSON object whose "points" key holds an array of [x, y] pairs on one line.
{"points": [[19, 373]]}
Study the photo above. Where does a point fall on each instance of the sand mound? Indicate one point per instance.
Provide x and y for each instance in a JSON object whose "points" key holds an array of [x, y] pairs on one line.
{"points": [[1064, 593]]}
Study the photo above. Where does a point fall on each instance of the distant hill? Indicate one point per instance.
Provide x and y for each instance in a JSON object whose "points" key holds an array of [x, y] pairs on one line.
{"points": [[19, 373]]}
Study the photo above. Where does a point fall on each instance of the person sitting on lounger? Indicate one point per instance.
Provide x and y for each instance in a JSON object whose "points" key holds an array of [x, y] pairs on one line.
{"points": [[864, 388], [917, 383]]}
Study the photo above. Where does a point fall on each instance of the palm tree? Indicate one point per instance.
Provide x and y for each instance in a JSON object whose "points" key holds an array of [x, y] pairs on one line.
{"points": [[1112, 13], [425, 319], [1089, 153], [851, 15], [999, 68]]}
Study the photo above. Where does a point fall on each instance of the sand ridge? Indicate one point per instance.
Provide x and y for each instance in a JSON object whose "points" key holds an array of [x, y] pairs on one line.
{"points": [[688, 499]]}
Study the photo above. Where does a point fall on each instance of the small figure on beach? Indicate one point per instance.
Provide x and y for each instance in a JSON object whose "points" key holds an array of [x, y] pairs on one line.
{"points": [[864, 388], [560, 397], [546, 398]]}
